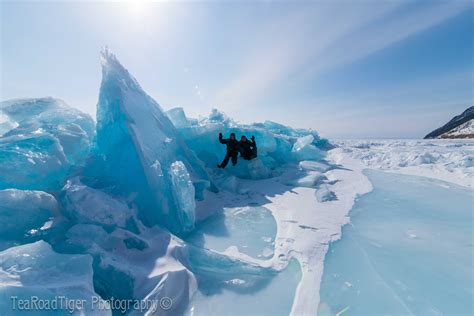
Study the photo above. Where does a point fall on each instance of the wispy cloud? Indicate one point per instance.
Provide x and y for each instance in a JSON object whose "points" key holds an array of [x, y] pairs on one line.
{"points": [[311, 40], [406, 110]]}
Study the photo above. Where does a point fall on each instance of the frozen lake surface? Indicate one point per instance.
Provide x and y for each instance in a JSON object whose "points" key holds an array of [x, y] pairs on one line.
{"points": [[408, 250]]}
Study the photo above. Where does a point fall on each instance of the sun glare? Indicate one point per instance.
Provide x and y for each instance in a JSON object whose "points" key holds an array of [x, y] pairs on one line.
{"points": [[138, 6]]}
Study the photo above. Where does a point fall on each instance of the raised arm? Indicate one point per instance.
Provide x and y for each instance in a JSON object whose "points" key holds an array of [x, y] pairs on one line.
{"points": [[254, 144], [222, 140]]}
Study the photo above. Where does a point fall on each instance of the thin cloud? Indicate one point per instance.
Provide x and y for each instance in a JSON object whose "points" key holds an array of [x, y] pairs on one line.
{"points": [[363, 114], [326, 36]]}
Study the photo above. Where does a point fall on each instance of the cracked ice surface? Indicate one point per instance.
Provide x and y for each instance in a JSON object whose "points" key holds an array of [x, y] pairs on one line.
{"points": [[407, 251]]}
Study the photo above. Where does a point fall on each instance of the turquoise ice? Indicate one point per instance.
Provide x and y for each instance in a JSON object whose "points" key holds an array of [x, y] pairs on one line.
{"points": [[36, 271], [241, 290], [407, 251], [41, 141], [115, 201], [252, 228], [277, 144], [23, 215], [136, 148]]}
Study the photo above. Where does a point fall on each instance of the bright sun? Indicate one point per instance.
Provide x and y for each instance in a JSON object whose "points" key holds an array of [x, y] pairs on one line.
{"points": [[138, 6]]}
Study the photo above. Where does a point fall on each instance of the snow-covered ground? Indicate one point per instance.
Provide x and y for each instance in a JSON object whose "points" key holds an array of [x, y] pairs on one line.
{"points": [[305, 226], [465, 130], [449, 160]]}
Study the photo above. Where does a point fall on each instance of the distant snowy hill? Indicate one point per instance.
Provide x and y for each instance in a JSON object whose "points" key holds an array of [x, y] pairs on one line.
{"points": [[465, 130], [460, 126]]}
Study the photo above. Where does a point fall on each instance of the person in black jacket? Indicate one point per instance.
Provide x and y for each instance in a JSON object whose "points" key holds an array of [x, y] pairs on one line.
{"points": [[248, 149], [232, 150]]}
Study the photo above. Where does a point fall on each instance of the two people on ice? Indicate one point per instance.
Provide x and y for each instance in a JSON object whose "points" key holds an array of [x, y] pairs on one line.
{"points": [[246, 148]]}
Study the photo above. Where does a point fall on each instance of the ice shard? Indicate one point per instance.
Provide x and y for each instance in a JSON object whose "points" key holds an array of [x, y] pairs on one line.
{"points": [[136, 146], [22, 211], [35, 271]]}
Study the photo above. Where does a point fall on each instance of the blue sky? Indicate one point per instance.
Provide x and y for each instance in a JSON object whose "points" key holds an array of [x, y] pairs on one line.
{"points": [[348, 69]]}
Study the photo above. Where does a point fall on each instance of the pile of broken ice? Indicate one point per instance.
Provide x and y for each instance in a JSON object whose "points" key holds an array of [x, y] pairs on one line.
{"points": [[100, 210]]}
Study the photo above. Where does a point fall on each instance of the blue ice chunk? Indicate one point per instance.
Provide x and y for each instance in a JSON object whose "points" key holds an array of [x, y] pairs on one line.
{"points": [[303, 149], [227, 183], [136, 146], [20, 110], [35, 162], [183, 191], [173, 292], [23, 211], [324, 194], [73, 129], [277, 144], [323, 144], [142, 159], [220, 268], [250, 169], [302, 142], [84, 236], [178, 117], [314, 166], [113, 260], [6, 124], [134, 266], [41, 141], [276, 128], [310, 180], [199, 187], [217, 116], [87, 205], [35, 270]]}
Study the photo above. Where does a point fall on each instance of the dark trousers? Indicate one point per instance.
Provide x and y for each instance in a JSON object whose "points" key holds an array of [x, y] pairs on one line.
{"points": [[229, 155], [249, 155]]}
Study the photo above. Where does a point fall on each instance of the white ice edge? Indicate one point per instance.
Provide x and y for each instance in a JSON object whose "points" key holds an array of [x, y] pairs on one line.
{"points": [[310, 247]]}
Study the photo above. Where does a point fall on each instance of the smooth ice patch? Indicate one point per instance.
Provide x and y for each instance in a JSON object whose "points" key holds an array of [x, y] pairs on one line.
{"points": [[408, 250], [251, 229], [273, 296]]}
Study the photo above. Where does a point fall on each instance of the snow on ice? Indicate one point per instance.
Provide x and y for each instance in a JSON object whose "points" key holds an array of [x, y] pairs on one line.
{"points": [[448, 160]]}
